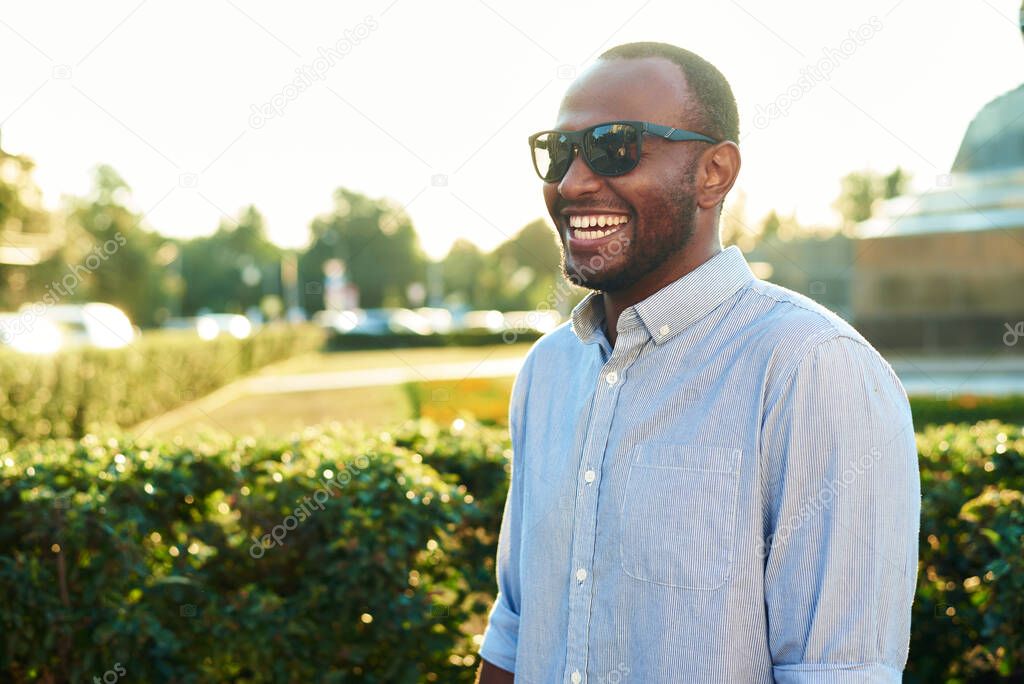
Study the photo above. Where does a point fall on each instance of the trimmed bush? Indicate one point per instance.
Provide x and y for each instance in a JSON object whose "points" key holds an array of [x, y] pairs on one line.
{"points": [[212, 560], [966, 408], [968, 622], [337, 556], [82, 390], [353, 341]]}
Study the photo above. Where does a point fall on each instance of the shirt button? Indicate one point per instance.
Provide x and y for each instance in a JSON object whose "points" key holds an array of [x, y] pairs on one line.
{"points": [[576, 677], [612, 377], [663, 330], [581, 574], [589, 476]]}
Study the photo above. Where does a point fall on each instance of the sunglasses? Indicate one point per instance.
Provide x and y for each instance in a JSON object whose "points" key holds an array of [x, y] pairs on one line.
{"points": [[609, 149]]}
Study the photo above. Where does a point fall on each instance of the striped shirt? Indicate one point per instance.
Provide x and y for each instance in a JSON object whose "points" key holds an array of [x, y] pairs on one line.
{"points": [[730, 494]]}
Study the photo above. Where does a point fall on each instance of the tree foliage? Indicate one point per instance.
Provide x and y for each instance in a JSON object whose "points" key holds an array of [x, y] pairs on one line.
{"points": [[377, 243], [861, 189]]}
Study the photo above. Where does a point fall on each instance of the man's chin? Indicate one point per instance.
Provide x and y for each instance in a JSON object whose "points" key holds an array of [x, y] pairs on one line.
{"points": [[599, 282]]}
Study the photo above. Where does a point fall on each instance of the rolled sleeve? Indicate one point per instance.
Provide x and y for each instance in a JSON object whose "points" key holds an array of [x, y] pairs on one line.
{"points": [[842, 518], [501, 636]]}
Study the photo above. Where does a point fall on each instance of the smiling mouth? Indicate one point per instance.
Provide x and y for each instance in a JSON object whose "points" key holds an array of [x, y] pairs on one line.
{"points": [[594, 226]]}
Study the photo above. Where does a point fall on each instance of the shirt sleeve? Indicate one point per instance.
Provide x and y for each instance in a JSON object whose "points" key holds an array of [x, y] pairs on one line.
{"points": [[501, 636], [842, 518]]}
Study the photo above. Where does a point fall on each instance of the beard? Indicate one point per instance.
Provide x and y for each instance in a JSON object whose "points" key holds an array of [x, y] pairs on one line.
{"points": [[644, 253]]}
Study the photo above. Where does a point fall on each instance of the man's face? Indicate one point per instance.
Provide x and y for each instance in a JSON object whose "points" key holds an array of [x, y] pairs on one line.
{"points": [[652, 207]]}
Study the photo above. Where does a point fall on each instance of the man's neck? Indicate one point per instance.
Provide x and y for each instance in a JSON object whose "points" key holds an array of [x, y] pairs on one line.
{"points": [[669, 272]]}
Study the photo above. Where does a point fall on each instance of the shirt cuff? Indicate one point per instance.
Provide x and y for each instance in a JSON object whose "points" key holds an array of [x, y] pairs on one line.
{"points": [[860, 673], [501, 637]]}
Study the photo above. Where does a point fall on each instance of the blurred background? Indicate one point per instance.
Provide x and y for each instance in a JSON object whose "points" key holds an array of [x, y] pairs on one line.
{"points": [[249, 251]]}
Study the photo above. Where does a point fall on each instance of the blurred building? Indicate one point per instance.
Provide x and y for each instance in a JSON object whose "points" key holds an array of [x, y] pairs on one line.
{"points": [[944, 270], [821, 268]]}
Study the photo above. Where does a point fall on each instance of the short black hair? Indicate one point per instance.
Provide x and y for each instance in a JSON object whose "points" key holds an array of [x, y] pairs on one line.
{"points": [[719, 118]]}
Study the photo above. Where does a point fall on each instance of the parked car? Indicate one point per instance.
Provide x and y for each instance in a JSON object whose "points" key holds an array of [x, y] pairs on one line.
{"points": [[96, 324], [30, 334], [491, 321], [210, 326], [440, 320], [537, 320], [337, 321], [393, 320]]}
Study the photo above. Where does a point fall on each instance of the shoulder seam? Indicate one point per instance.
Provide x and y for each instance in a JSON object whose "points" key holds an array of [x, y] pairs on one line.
{"points": [[800, 305]]}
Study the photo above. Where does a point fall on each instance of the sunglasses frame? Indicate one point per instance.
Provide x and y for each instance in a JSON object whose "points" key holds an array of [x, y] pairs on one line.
{"points": [[577, 140]]}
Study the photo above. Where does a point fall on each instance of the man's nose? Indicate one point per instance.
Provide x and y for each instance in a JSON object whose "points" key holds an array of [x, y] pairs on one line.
{"points": [[579, 179]]}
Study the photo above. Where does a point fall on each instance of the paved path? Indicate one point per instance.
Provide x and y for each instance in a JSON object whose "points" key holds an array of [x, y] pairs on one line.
{"points": [[945, 377], [318, 382], [375, 377], [926, 376], [921, 376]]}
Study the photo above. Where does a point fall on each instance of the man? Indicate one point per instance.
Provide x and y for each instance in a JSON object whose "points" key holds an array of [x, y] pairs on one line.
{"points": [[714, 478]]}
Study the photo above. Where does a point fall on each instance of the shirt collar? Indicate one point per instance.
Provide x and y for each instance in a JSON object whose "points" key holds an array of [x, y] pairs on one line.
{"points": [[674, 307]]}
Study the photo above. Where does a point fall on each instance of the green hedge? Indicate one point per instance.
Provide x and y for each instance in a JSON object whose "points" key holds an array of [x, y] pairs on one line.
{"points": [[81, 390], [968, 622], [354, 341], [199, 564], [966, 409], [236, 605]]}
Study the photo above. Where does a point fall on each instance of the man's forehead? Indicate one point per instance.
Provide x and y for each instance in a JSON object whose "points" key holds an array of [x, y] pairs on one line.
{"points": [[646, 89]]}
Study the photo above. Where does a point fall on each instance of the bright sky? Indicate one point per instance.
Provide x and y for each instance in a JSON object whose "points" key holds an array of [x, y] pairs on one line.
{"points": [[432, 107]]}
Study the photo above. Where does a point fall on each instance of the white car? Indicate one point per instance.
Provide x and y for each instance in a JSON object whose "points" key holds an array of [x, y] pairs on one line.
{"points": [[29, 334], [45, 329], [210, 326]]}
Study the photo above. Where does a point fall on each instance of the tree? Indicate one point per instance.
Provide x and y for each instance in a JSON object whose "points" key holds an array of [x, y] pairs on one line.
{"points": [[21, 208], [461, 269], [33, 247], [233, 269], [118, 263], [734, 228], [522, 271], [377, 243], [860, 190]]}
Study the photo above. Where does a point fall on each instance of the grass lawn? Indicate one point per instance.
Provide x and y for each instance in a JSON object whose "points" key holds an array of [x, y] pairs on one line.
{"points": [[280, 414], [329, 362], [485, 399]]}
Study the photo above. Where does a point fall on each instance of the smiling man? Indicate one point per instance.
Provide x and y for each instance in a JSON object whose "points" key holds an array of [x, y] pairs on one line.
{"points": [[714, 478]]}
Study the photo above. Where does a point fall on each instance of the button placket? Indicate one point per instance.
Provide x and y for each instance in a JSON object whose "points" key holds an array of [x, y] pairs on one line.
{"points": [[584, 532]]}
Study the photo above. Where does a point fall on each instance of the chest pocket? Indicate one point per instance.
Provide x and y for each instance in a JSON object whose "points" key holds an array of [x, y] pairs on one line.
{"points": [[679, 514]]}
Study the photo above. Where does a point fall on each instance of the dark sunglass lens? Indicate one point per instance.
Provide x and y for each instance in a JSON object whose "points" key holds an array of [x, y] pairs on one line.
{"points": [[613, 149], [551, 155]]}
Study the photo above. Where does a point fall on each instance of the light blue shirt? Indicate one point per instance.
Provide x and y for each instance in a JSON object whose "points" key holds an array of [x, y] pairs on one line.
{"points": [[731, 494]]}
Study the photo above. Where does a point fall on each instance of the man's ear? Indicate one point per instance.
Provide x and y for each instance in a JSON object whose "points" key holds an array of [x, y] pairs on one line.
{"points": [[719, 167]]}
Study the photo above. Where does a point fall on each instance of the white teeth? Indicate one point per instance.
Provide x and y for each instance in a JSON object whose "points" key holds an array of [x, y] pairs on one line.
{"points": [[596, 220], [592, 234]]}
